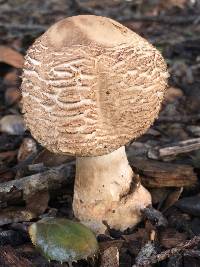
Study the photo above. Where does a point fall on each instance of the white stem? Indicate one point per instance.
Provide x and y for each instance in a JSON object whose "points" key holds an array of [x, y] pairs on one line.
{"points": [[104, 191]]}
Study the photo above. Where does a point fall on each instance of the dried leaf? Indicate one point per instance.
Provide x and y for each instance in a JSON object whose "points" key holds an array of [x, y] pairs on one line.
{"points": [[172, 94], [11, 57]]}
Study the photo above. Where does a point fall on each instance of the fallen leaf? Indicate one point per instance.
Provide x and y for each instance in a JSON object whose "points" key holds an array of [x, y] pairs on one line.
{"points": [[173, 93], [11, 57]]}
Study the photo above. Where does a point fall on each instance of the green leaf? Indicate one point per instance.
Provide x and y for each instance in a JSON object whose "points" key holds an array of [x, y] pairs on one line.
{"points": [[63, 240]]}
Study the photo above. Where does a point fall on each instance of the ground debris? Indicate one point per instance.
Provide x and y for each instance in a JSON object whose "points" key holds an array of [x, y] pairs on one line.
{"points": [[12, 237], [110, 257], [168, 253], [158, 174], [9, 257]]}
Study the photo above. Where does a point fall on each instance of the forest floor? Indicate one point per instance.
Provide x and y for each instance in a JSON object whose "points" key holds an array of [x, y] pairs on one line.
{"points": [[35, 183]]}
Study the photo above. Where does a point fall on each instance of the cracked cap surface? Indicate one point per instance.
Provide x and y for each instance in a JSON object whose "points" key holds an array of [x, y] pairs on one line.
{"points": [[90, 85]]}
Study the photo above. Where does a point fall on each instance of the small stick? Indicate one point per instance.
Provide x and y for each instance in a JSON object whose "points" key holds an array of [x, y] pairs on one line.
{"points": [[175, 149], [170, 252]]}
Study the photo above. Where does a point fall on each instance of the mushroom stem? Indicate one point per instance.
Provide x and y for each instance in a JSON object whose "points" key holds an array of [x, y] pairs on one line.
{"points": [[105, 192]]}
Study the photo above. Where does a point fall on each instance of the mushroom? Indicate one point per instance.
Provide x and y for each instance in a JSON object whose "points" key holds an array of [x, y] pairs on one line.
{"points": [[91, 85]]}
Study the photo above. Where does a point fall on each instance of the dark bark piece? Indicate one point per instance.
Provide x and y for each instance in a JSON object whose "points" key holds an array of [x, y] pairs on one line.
{"points": [[190, 205], [164, 174], [175, 261], [154, 216], [171, 198], [8, 258], [192, 260], [13, 238], [38, 202]]}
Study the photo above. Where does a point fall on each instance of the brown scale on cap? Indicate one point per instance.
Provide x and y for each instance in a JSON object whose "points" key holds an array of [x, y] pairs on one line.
{"points": [[90, 85]]}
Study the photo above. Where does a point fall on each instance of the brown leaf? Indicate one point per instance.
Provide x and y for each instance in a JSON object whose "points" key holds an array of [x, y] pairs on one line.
{"points": [[38, 202], [11, 57], [172, 94]]}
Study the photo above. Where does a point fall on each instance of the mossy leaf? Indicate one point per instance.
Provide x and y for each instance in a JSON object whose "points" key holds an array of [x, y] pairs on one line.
{"points": [[63, 240]]}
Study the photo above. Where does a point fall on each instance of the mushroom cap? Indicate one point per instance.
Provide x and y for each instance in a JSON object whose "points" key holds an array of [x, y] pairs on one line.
{"points": [[90, 85]]}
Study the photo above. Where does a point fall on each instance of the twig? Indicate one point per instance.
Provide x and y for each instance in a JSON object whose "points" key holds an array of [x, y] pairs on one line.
{"points": [[163, 19], [175, 149], [52, 179], [23, 27], [170, 252], [181, 119]]}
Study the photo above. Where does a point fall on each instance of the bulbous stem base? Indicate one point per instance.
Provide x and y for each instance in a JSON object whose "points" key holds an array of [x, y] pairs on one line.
{"points": [[105, 193]]}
